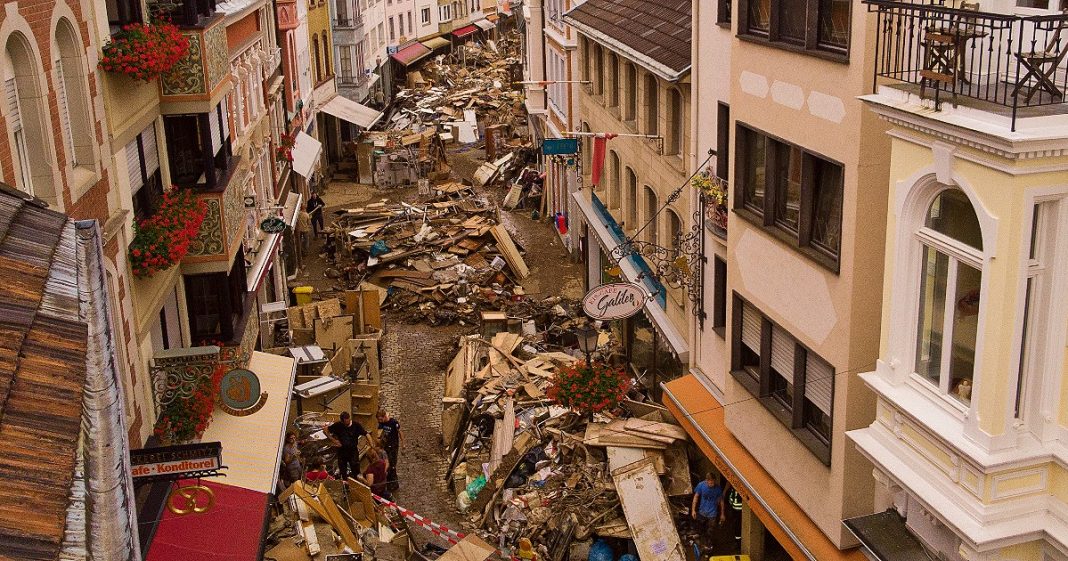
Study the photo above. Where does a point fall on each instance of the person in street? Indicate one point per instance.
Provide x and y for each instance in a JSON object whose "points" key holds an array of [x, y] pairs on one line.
{"points": [[304, 231], [375, 475], [292, 467], [708, 502], [345, 435], [390, 433], [318, 472], [315, 210]]}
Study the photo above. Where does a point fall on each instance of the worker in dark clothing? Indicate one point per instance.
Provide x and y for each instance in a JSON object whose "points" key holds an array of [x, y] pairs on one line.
{"points": [[345, 435], [315, 209], [390, 433]]}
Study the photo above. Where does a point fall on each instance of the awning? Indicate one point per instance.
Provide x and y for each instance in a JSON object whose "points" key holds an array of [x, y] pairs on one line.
{"points": [[464, 31], [253, 462], [231, 530], [306, 152], [653, 309], [411, 54], [270, 243], [436, 43], [701, 415], [485, 24], [886, 537], [493, 18], [348, 110]]}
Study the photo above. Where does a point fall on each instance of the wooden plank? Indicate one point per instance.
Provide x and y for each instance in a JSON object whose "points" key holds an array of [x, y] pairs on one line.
{"points": [[601, 434], [360, 494], [648, 514], [471, 548], [303, 494], [331, 333], [338, 520], [674, 432], [510, 252]]}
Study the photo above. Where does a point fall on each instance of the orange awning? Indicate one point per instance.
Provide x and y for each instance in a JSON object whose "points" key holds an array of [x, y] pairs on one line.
{"points": [[699, 413]]}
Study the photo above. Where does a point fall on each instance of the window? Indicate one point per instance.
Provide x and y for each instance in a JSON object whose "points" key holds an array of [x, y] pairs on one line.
{"points": [[719, 297], [792, 382], [198, 149], [723, 13], [28, 122], [810, 25], [345, 59], [651, 222], [674, 230], [949, 288], [794, 194], [587, 52], [632, 199], [723, 140], [424, 16], [445, 13], [411, 28], [326, 59], [72, 96], [676, 123], [652, 105], [216, 303], [598, 70], [614, 187], [613, 80], [630, 92], [142, 168], [122, 12], [392, 30], [318, 63]]}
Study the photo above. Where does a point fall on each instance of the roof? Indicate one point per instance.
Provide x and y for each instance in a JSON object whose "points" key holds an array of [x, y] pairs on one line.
{"points": [[653, 33], [43, 346]]}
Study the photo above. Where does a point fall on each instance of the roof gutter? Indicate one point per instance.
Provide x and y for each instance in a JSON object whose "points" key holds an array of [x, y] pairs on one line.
{"points": [[643, 59]]}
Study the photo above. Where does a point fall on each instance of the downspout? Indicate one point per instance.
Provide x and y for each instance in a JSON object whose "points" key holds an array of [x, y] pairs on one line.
{"points": [[110, 511]]}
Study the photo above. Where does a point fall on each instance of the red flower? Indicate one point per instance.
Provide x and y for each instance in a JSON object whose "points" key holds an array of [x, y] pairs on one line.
{"points": [[163, 240], [589, 389], [144, 51]]}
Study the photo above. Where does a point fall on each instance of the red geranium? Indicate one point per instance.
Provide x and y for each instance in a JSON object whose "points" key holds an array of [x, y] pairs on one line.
{"points": [[183, 420], [163, 239], [144, 51], [589, 388]]}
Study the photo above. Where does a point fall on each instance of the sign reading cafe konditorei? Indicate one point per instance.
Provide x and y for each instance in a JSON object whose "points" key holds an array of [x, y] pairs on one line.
{"points": [[202, 459], [614, 301]]}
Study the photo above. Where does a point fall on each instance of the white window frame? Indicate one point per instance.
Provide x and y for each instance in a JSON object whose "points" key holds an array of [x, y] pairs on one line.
{"points": [[424, 16]]}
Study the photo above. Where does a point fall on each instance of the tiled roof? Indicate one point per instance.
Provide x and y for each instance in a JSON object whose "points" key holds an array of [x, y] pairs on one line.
{"points": [[42, 374], [654, 33]]}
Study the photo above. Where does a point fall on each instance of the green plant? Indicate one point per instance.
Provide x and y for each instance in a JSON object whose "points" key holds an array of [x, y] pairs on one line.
{"points": [[589, 388], [183, 420], [713, 188], [163, 239]]}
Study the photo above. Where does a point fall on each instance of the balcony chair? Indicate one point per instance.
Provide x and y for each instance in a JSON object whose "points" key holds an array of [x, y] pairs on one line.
{"points": [[1042, 65], [944, 47]]}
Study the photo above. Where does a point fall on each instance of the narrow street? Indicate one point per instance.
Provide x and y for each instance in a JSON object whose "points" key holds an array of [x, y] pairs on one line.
{"points": [[415, 355]]}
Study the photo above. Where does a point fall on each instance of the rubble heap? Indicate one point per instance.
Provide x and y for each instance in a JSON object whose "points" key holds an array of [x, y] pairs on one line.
{"points": [[524, 467]]}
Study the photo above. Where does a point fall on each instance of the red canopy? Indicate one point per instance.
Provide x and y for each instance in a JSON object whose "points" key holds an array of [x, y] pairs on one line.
{"points": [[411, 54], [231, 530], [464, 31]]}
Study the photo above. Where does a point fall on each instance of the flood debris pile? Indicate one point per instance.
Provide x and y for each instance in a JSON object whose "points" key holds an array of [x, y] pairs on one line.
{"points": [[524, 467]]}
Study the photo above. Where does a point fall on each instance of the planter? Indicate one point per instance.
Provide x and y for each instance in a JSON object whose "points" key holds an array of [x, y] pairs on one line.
{"points": [[589, 389], [163, 240], [144, 51]]}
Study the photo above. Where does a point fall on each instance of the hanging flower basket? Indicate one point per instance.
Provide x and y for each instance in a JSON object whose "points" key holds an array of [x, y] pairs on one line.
{"points": [[714, 196], [283, 154], [163, 240], [144, 51], [185, 420], [589, 389]]}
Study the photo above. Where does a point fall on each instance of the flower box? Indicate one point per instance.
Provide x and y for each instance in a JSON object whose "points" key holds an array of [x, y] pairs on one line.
{"points": [[162, 240], [144, 51], [590, 388]]}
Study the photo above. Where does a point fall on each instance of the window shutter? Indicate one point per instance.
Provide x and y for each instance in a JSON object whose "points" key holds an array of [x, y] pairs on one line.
{"points": [[14, 116], [133, 166], [64, 113], [782, 352], [214, 129], [148, 140], [224, 122], [751, 328], [819, 383]]}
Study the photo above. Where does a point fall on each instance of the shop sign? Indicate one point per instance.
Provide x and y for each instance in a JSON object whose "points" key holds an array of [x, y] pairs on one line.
{"points": [[614, 301], [239, 393], [559, 146], [272, 225], [190, 499], [203, 459]]}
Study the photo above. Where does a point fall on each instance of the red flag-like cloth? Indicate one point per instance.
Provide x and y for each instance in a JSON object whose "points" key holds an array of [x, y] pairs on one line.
{"points": [[599, 143]]}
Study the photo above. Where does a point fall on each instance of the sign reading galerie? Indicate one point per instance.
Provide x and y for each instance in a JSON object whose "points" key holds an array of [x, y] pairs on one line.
{"points": [[613, 301]]}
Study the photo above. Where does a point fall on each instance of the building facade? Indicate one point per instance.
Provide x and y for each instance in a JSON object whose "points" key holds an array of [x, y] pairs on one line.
{"points": [[970, 410]]}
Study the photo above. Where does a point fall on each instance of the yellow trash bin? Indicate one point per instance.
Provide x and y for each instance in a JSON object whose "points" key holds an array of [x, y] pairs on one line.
{"points": [[303, 294], [729, 558]]}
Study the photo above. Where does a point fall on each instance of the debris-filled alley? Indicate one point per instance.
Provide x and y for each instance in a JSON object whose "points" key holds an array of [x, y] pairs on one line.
{"points": [[436, 293]]}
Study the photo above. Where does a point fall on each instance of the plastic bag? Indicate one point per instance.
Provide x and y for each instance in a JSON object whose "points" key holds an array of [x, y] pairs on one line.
{"points": [[379, 248], [475, 486], [601, 551]]}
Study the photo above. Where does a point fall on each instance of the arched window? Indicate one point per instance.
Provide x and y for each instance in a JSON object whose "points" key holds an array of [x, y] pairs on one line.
{"points": [[318, 63], [652, 219], [652, 105], [676, 125], [630, 93], [632, 200], [674, 230], [326, 56], [613, 180], [72, 96], [587, 149], [598, 70], [26, 112], [613, 80], [949, 291]]}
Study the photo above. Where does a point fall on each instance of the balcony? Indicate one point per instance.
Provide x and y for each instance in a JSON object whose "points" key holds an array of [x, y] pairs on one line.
{"points": [[345, 22], [1013, 66], [347, 31], [183, 13], [198, 77]]}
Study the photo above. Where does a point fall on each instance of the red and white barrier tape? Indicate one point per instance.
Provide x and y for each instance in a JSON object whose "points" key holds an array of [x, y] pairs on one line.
{"points": [[451, 536]]}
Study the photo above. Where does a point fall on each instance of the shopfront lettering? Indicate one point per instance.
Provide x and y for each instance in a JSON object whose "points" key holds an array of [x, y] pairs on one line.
{"points": [[614, 301]]}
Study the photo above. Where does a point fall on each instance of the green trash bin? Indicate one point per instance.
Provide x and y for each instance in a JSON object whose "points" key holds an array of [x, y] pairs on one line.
{"points": [[303, 294]]}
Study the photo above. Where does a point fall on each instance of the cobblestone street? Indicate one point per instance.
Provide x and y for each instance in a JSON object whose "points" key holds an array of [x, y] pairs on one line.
{"points": [[414, 356]]}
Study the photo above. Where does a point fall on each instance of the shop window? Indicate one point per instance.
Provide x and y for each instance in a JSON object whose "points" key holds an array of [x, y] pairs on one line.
{"points": [[652, 105], [791, 381], [792, 193], [949, 295], [803, 25]]}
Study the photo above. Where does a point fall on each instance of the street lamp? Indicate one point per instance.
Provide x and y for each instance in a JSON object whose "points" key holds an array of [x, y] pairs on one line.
{"points": [[587, 339]]}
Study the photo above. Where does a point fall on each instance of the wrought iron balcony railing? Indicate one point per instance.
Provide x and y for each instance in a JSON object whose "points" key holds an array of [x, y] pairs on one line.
{"points": [[1011, 61]]}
